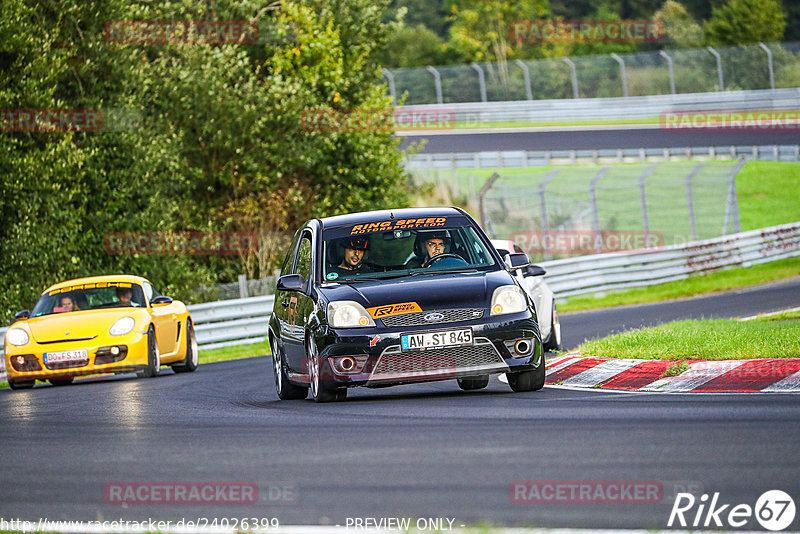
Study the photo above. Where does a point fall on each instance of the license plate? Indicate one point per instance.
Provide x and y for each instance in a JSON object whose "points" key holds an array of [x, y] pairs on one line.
{"points": [[66, 356], [436, 340]]}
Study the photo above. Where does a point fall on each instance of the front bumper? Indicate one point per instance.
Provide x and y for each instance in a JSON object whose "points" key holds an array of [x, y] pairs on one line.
{"points": [[381, 361], [100, 360]]}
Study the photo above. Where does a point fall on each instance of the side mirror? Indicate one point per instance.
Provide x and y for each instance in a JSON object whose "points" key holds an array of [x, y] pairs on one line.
{"points": [[291, 282], [534, 270], [161, 301], [24, 314], [517, 260]]}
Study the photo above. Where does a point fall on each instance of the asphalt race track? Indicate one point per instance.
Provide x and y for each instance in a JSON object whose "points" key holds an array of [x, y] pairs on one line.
{"points": [[419, 451], [589, 139]]}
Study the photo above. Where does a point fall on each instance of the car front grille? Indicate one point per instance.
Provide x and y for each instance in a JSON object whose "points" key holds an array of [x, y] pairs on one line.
{"points": [[454, 315], [395, 364]]}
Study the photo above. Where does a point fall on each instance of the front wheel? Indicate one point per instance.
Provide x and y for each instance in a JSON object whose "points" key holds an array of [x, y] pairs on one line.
{"points": [[153, 356], [532, 380], [319, 392], [473, 382], [284, 389], [553, 341], [189, 363]]}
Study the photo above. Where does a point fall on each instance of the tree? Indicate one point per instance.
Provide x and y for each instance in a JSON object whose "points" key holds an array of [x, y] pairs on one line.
{"points": [[740, 22], [679, 27]]}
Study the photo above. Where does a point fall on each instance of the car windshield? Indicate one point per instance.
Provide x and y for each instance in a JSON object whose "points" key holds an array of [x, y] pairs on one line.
{"points": [[89, 296], [392, 249]]}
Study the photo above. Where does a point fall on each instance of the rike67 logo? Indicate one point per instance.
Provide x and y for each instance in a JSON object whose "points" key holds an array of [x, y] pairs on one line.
{"points": [[774, 510]]}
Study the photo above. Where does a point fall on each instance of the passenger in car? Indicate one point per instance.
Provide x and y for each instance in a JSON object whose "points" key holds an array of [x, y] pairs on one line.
{"points": [[352, 258]]}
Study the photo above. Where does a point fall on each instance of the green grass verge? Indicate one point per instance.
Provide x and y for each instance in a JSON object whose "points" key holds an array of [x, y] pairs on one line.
{"points": [[767, 192], [235, 352], [717, 339], [696, 285]]}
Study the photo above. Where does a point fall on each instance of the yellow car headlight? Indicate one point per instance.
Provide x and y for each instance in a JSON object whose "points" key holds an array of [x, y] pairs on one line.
{"points": [[17, 337], [122, 326]]}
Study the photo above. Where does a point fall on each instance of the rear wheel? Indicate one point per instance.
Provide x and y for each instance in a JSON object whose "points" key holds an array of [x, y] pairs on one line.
{"points": [[21, 384], [553, 341], [188, 364], [153, 356], [473, 382], [319, 392], [61, 381], [532, 380], [284, 389]]}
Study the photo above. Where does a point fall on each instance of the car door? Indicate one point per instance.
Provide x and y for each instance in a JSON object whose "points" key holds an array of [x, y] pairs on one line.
{"points": [[297, 305], [165, 319]]}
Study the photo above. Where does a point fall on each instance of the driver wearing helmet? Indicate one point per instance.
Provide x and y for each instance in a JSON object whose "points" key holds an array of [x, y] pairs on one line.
{"points": [[428, 245], [352, 262]]}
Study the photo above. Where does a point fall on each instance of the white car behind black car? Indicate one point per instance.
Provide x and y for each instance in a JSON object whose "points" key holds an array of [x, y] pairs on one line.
{"points": [[532, 279]]}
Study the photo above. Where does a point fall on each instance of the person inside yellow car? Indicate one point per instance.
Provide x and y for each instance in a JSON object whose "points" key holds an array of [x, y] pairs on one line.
{"points": [[67, 305], [124, 294]]}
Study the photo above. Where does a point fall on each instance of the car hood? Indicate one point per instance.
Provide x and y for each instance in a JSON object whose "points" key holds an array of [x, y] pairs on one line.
{"points": [[74, 325], [430, 292]]}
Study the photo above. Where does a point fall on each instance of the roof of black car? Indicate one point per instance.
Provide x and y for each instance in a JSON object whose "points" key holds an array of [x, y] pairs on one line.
{"points": [[386, 215]]}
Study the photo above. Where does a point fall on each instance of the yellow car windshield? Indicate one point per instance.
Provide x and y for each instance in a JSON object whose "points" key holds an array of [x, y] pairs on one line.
{"points": [[90, 296]]}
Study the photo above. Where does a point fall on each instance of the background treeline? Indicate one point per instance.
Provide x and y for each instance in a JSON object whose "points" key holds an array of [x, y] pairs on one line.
{"points": [[211, 136], [444, 32]]}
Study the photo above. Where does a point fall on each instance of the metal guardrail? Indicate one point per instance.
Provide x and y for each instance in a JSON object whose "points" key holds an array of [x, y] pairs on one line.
{"points": [[241, 321], [484, 114], [603, 272], [537, 158]]}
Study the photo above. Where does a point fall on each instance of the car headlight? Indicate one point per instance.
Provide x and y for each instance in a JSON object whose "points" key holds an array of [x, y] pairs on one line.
{"points": [[17, 337], [348, 314], [508, 299], [122, 326]]}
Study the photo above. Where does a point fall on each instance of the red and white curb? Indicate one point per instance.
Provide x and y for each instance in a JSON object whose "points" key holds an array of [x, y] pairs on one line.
{"points": [[766, 375]]}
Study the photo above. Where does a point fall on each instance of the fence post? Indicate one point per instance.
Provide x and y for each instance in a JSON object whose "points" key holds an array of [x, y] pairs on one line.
{"points": [[527, 74], [437, 80], [574, 73], [732, 202], [481, 80], [485, 189], [671, 71], [719, 68], [543, 210], [690, 199], [643, 198], [243, 286], [769, 62], [595, 214], [390, 78], [622, 74]]}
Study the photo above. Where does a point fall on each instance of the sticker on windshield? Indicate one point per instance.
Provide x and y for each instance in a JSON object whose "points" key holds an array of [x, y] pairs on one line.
{"points": [[394, 309], [400, 224], [332, 276]]}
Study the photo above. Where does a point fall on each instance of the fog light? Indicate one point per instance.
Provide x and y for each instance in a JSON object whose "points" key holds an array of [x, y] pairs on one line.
{"points": [[349, 364], [523, 347], [114, 350]]}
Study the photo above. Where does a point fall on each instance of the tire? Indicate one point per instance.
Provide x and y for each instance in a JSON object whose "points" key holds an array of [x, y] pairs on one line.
{"points": [[553, 341], [21, 384], [285, 389], [532, 380], [61, 381], [473, 382], [188, 364], [319, 392], [153, 356]]}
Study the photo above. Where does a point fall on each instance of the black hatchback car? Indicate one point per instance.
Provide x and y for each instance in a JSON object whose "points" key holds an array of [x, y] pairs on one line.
{"points": [[399, 296]]}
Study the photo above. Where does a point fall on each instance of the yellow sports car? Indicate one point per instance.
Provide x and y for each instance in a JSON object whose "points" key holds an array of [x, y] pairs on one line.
{"points": [[102, 324]]}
